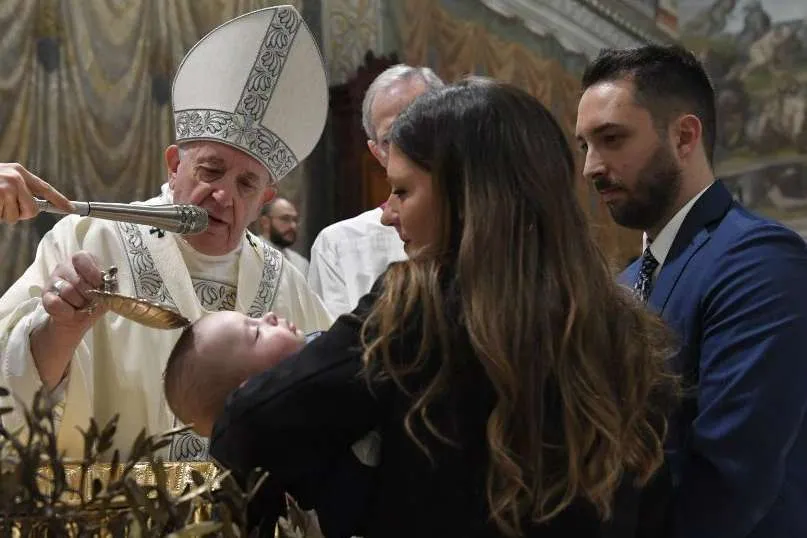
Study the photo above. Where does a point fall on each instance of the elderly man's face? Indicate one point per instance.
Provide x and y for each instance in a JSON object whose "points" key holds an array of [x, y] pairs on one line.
{"points": [[228, 183], [386, 106]]}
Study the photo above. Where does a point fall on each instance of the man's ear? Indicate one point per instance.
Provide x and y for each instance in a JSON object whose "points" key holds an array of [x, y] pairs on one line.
{"points": [[172, 163], [269, 194], [688, 135], [373, 147]]}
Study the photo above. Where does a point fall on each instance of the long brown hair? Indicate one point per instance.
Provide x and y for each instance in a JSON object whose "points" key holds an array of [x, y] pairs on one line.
{"points": [[577, 365]]}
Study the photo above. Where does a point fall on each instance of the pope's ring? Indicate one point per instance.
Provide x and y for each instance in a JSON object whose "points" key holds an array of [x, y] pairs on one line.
{"points": [[58, 286]]}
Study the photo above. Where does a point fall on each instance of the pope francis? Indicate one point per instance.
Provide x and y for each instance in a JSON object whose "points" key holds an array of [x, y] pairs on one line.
{"points": [[249, 103]]}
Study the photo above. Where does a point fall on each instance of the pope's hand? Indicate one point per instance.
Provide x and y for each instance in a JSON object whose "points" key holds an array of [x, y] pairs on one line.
{"points": [[66, 299], [18, 187], [71, 314]]}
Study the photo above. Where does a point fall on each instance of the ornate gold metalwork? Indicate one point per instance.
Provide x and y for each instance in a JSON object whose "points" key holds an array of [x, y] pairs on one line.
{"points": [[43, 494], [177, 476], [148, 313]]}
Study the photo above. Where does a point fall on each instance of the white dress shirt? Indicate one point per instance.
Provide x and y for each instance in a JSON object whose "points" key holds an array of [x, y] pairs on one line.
{"points": [[348, 257], [661, 245]]}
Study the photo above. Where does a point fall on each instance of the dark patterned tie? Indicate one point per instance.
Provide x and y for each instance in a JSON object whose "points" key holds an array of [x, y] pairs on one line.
{"points": [[644, 282]]}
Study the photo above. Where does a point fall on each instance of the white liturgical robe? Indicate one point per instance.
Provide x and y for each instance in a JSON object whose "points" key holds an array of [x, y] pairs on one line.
{"points": [[348, 256], [117, 368]]}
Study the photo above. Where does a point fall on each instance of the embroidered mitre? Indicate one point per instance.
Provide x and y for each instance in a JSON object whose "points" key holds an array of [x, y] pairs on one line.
{"points": [[257, 83]]}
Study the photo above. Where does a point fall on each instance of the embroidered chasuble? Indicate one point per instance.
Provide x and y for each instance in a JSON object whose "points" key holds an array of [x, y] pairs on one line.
{"points": [[214, 280]]}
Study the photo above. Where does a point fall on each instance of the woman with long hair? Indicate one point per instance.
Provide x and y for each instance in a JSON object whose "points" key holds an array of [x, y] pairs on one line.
{"points": [[516, 388]]}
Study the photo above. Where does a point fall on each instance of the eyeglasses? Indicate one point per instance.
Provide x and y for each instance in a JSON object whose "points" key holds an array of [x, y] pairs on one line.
{"points": [[288, 219]]}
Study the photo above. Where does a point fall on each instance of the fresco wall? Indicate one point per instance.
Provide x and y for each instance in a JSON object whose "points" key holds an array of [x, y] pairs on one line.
{"points": [[756, 54]]}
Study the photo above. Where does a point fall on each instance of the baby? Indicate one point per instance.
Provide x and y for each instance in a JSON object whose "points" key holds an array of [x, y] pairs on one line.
{"points": [[217, 354]]}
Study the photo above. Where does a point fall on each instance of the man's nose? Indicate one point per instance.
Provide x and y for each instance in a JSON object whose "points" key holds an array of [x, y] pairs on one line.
{"points": [[594, 165], [223, 193]]}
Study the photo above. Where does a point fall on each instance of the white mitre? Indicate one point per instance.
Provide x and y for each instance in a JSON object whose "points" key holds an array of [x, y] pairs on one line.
{"points": [[258, 84]]}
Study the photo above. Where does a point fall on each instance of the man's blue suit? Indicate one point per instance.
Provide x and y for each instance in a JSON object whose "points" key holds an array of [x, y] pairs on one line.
{"points": [[734, 288]]}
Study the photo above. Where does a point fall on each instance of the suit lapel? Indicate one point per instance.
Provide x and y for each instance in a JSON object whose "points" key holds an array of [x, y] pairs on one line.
{"points": [[629, 275], [671, 271], [692, 235]]}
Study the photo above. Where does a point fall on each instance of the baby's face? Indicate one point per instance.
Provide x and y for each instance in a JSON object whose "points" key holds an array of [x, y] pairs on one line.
{"points": [[257, 343], [237, 347]]}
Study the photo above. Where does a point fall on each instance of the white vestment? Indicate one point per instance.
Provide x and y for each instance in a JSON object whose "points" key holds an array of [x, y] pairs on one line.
{"points": [[347, 257], [118, 366], [296, 259]]}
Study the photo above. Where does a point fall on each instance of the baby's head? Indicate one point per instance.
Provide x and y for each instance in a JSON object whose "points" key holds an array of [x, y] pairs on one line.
{"points": [[215, 355]]}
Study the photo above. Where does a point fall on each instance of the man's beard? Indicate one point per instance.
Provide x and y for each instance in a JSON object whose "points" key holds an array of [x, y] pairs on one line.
{"points": [[279, 240], [651, 199]]}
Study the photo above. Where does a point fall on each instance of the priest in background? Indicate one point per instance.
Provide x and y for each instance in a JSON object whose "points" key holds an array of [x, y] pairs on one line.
{"points": [[278, 224], [348, 256]]}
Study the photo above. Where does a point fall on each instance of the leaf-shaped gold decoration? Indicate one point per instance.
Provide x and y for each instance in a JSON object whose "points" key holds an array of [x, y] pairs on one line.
{"points": [[148, 313]]}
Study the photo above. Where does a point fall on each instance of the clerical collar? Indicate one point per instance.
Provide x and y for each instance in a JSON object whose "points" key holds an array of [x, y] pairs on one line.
{"points": [[222, 268], [186, 247]]}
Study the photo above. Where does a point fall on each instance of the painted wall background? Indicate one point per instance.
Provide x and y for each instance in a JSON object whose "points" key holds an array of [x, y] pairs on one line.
{"points": [[756, 54]]}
